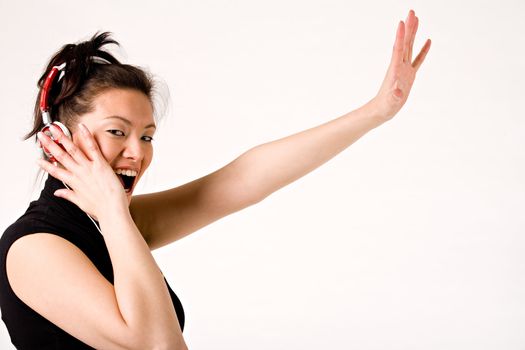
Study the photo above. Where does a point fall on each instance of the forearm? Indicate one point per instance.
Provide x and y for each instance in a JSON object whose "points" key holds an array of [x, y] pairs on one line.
{"points": [[140, 289], [273, 165]]}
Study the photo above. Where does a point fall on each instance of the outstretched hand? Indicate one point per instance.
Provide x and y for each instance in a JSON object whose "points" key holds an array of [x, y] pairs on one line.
{"points": [[402, 71]]}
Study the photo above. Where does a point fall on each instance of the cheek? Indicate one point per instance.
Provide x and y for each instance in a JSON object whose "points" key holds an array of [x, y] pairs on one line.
{"points": [[148, 156]]}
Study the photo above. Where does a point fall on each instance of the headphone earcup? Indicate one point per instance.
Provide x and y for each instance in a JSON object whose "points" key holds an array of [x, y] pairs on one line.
{"points": [[64, 129], [45, 153]]}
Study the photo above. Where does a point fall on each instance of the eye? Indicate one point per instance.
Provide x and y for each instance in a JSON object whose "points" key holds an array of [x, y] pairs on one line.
{"points": [[116, 133], [113, 130]]}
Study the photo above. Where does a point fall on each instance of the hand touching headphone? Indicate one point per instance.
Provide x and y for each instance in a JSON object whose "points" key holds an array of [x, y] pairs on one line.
{"points": [[46, 118]]}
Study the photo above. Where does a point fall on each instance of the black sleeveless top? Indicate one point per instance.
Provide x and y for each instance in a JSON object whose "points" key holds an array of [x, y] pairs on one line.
{"points": [[51, 214]]}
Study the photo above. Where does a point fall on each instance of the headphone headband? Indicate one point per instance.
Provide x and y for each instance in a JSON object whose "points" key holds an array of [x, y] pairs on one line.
{"points": [[44, 106]]}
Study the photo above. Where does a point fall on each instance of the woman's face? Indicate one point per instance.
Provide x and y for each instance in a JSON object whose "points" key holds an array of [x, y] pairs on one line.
{"points": [[123, 125]]}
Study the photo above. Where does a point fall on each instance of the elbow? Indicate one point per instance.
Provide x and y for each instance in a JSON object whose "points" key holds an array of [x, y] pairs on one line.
{"points": [[251, 192], [257, 199], [257, 195]]}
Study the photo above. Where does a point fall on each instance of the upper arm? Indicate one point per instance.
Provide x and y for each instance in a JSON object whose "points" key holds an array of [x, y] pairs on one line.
{"points": [[57, 280], [166, 216]]}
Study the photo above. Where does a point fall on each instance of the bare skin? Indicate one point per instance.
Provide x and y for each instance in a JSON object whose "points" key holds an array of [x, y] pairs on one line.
{"points": [[136, 311], [402, 70], [139, 312], [166, 216], [169, 215]]}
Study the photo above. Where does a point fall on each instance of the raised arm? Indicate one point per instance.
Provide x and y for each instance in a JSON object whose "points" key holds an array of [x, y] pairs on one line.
{"points": [[170, 215], [275, 164]]}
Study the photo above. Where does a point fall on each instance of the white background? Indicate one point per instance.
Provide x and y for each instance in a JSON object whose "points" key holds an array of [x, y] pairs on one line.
{"points": [[412, 238]]}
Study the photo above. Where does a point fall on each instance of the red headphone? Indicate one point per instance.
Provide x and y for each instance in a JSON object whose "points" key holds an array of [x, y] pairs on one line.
{"points": [[44, 109]]}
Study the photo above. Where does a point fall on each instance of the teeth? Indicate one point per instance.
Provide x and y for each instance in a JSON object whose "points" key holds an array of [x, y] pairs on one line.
{"points": [[126, 172]]}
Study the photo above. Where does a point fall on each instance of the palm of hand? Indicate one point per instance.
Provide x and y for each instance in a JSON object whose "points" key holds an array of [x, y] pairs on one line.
{"points": [[401, 73]]}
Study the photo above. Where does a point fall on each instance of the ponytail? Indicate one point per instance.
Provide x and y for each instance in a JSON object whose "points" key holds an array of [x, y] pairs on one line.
{"points": [[79, 59]]}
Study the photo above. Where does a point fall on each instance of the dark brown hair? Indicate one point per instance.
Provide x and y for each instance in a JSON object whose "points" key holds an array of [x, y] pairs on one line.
{"points": [[89, 71]]}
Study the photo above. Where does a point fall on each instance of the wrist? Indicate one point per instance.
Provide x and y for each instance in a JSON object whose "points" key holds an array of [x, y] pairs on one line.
{"points": [[113, 213], [372, 109]]}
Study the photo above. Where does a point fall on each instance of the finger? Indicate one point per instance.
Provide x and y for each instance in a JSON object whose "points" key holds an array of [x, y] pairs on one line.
{"points": [[422, 54], [60, 155], [409, 25], [92, 149], [55, 171], [412, 38], [80, 139], [397, 54], [73, 150], [66, 194]]}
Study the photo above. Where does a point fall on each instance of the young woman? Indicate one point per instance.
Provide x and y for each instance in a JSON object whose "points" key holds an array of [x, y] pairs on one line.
{"points": [[77, 270]]}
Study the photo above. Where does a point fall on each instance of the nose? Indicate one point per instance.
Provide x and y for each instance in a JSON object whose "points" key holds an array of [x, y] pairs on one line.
{"points": [[133, 149]]}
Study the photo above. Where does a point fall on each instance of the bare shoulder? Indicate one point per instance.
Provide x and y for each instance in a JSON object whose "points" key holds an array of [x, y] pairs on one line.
{"points": [[57, 280]]}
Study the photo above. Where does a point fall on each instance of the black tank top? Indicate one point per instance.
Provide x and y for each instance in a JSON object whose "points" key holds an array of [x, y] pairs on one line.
{"points": [[51, 214]]}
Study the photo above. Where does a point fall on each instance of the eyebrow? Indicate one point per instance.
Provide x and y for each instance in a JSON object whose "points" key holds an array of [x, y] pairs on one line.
{"points": [[129, 123]]}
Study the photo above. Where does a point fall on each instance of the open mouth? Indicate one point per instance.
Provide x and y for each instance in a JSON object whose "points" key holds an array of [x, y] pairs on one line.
{"points": [[127, 182]]}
